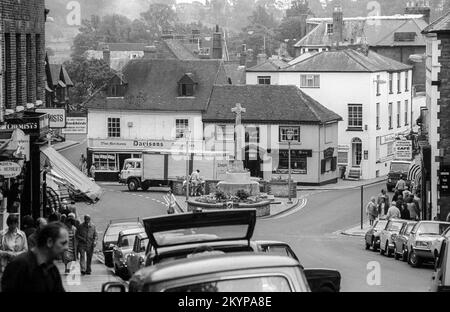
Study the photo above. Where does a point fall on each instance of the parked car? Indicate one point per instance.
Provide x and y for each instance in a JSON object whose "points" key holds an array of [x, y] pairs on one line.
{"points": [[240, 272], [401, 241], [440, 280], [436, 244], [111, 236], [372, 237], [388, 235], [176, 237], [136, 258], [122, 249], [422, 236]]}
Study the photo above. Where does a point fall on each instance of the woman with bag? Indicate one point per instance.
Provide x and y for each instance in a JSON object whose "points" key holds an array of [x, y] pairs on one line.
{"points": [[70, 254]]}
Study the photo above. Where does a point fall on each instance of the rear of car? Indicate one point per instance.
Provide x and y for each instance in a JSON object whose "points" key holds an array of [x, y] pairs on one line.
{"points": [[421, 239], [388, 235], [244, 272], [372, 237], [111, 236], [398, 169], [123, 248]]}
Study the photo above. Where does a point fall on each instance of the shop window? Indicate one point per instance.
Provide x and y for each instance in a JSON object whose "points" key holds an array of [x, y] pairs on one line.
{"points": [[329, 165], [105, 162], [299, 163], [284, 133], [114, 127]]}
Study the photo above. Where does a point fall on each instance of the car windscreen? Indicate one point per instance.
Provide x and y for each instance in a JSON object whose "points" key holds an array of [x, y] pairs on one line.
{"points": [[432, 228], [200, 234], [127, 240], [247, 284], [380, 225], [399, 167], [395, 226], [409, 227], [112, 233]]}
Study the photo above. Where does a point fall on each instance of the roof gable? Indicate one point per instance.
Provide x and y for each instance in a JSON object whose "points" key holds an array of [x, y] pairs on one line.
{"points": [[442, 24]]}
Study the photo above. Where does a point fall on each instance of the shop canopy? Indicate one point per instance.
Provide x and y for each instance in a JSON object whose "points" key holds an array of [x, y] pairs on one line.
{"points": [[67, 171]]}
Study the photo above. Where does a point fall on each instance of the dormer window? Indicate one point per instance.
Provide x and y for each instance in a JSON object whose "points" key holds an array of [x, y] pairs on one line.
{"points": [[117, 87], [186, 85]]}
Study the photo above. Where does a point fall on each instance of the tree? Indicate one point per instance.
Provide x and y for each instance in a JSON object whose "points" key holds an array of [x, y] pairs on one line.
{"points": [[158, 18], [87, 76], [289, 31]]}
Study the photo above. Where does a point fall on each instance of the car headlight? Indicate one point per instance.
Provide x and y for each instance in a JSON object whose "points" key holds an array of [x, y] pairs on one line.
{"points": [[423, 244]]}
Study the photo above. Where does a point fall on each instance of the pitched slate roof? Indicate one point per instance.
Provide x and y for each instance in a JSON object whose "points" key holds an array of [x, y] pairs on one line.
{"points": [[268, 66], [153, 85], [179, 50], [266, 104], [347, 60], [440, 25], [375, 31], [123, 46], [55, 71], [236, 73]]}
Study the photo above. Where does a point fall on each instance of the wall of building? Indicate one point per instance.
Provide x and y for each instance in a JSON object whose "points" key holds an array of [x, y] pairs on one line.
{"points": [[22, 33], [337, 90]]}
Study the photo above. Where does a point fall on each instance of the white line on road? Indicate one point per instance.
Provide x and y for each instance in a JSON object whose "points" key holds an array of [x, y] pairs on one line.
{"points": [[300, 207]]}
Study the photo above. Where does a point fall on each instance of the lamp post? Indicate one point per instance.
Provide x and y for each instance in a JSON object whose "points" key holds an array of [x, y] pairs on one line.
{"points": [[187, 133], [290, 136]]}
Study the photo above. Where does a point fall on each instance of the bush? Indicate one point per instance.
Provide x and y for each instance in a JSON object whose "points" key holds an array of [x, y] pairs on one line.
{"points": [[220, 195], [242, 195]]}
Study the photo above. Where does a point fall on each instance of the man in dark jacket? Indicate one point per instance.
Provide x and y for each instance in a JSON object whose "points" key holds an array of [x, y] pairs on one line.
{"points": [[86, 241]]}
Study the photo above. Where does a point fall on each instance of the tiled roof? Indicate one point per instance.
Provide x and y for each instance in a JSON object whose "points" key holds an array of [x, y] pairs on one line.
{"points": [[123, 46], [236, 73], [442, 24], [266, 104], [347, 60], [179, 50], [153, 85], [55, 72], [269, 65], [373, 31]]}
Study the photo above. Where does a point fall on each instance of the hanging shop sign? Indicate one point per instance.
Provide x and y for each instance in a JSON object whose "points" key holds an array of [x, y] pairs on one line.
{"points": [[34, 124], [328, 153], [10, 169], [57, 117], [75, 125], [403, 150]]}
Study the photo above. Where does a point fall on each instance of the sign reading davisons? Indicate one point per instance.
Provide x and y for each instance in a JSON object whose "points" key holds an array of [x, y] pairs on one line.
{"points": [[403, 149], [56, 117], [75, 125], [9, 169]]}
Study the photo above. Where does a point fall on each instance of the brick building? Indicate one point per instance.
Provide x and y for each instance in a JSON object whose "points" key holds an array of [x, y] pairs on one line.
{"points": [[22, 40], [436, 117]]}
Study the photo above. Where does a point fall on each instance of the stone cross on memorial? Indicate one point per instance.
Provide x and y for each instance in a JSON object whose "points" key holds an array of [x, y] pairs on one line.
{"points": [[238, 110]]}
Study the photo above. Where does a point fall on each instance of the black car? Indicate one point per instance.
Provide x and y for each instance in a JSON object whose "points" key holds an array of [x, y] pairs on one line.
{"points": [[180, 236], [111, 236]]}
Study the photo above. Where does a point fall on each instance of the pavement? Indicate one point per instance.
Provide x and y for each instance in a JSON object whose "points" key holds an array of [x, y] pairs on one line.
{"points": [[75, 282], [343, 184], [356, 230]]}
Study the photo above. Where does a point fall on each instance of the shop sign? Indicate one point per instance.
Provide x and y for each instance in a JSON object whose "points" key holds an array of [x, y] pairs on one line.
{"points": [[403, 149], [57, 117], [444, 180], [75, 125], [117, 145], [388, 138], [35, 124], [10, 169], [328, 153]]}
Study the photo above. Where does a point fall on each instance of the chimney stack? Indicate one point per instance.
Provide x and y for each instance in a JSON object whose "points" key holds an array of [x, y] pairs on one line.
{"points": [[150, 52], [217, 44], [338, 25], [107, 55], [419, 7]]}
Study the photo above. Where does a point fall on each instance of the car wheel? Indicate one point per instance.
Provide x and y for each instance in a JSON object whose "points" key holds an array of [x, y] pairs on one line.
{"points": [[132, 185], [404, 253], [396, 256], [374, 247], [367, 246], [381, 250], [116, 270], [387, 251], [414, 260]]}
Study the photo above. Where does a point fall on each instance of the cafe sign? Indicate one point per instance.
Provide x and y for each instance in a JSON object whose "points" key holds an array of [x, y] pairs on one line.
{"points": [[403, 150], [10, 169]]}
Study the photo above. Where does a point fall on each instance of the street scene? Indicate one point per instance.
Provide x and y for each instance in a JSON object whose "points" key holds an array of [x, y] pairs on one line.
{"points": [[224, 146]]}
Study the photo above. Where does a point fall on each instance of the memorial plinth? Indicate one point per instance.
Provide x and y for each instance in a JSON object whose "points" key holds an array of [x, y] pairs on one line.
{"points": [[236, 179]]}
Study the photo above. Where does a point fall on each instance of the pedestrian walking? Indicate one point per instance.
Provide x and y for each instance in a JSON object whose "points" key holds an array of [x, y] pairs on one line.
{"points": [[393, 212], [401, 184], [28, 225], [86, 241], [34, 270], [92, 171], [372, 210], [32, 240], [383, 203], [404, 212], [70, 254], [13, 242]]}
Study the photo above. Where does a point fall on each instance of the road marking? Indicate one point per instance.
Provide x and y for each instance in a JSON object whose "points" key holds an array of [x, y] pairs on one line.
{"points": [[295, 210]]}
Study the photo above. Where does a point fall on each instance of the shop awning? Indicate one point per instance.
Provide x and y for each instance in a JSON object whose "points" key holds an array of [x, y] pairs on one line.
{"points": [[67, 171]]}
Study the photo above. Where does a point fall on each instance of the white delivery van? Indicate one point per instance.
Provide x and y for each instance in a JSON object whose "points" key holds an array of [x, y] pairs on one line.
{"points": [[162, 167]]}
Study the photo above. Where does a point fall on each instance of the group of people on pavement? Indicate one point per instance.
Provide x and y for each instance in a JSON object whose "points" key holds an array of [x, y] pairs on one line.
{"points": [[27, 256], [404, 205], [196, 184]]}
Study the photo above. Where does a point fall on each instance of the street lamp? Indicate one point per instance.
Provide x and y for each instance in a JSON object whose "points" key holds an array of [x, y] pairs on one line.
{"points": [[187, 134], [290, 136]]}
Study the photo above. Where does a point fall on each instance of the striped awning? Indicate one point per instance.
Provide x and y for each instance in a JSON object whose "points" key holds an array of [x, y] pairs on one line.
{"points": [[415, 174]]}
